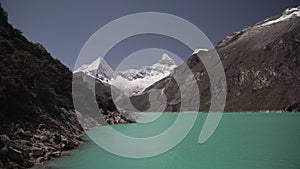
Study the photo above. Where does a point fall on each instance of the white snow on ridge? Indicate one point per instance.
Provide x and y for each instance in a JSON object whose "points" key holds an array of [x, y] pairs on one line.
{"points": [[287, 14], [196, 51], [134, 81], [132, 87], [97, 69], [131, 81]]}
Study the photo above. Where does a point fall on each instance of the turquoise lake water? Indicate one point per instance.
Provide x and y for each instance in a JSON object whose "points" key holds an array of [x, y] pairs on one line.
{"points": [[241, 141]]}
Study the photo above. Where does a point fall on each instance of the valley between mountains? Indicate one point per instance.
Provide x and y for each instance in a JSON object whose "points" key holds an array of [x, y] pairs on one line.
{"points": [[261, 65], [38, 120]]}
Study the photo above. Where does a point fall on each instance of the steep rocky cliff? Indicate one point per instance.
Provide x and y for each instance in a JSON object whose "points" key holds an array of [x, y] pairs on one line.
{"points": [[37, 118]]}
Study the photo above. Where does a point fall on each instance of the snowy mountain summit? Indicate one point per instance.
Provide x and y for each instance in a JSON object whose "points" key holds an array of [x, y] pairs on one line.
{"points": [[98, 69], [131, 81], [286, 15], [134, 81]]}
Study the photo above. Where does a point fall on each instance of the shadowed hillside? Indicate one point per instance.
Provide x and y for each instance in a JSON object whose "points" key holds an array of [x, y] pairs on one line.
{"points": [[37, 119]]}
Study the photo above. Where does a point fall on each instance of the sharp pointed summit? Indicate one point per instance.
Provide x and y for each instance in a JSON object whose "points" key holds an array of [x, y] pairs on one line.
{"points": [[97, 69], [132, 81], [165, 59]]}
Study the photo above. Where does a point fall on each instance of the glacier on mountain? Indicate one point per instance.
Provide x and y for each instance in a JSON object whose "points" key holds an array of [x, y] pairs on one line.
{"points": [[286, 15], [98, 69], [131, 81]]}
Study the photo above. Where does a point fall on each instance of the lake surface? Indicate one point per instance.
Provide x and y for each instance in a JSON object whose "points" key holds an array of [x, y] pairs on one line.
{"points": [[241, 141]]}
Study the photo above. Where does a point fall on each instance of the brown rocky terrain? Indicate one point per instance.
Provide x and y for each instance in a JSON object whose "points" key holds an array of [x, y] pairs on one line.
{"points": [[261, 65], [99, 108]]}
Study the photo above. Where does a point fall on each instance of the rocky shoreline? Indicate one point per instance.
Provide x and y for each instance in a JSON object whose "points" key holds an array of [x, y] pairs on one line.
{"points": [[37, 117], [34, 148], [25, 143]]}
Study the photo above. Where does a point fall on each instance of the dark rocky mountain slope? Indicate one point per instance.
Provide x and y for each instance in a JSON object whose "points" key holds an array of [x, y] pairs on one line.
{"points": [[98, 108], [37, 118], [261, 64]]}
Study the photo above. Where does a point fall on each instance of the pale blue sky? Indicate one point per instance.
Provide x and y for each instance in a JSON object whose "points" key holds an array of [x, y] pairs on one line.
{"points": [[63, 26]]}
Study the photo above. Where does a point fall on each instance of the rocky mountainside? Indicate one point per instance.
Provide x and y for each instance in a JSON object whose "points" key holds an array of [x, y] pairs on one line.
{"points": [[105, 111], [37, 118], [132, 81], [261, 65], [99, 76]]}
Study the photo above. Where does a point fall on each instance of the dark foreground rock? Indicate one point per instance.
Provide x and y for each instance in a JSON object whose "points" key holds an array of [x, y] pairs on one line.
{"points": [[37, 117], [38, 120], [23, 145], [294, 108]]}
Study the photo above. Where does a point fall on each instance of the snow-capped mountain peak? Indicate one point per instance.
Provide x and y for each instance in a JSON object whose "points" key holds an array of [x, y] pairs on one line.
{"points": [[134, 81], [166, 60], [98, 69], [286, 15], [196, 51], [131, 81]]}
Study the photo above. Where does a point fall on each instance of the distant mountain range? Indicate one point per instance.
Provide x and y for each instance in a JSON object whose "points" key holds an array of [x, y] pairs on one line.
{"points": [[260, 64], [130, 81]]}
